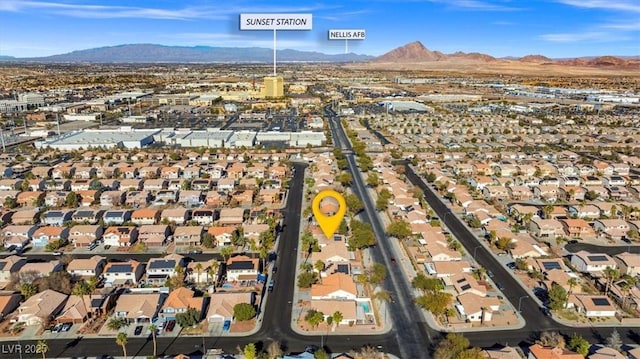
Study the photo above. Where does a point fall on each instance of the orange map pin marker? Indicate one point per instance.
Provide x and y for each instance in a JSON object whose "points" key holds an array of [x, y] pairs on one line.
{"points": [[329, 208]]}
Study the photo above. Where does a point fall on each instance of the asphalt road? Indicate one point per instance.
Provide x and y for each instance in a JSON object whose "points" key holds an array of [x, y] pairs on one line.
{"points": [[413, 337], [536, 322]]}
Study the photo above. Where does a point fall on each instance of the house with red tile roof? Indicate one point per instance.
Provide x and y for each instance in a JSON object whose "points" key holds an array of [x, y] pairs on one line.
{"points": [[537, 351]]}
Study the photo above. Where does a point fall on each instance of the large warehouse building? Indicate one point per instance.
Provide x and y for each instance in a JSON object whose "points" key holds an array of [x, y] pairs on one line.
{"points": [[124, 137]]}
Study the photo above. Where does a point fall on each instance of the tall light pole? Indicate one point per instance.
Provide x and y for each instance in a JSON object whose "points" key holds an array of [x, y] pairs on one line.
{"points": [[520, 302]]}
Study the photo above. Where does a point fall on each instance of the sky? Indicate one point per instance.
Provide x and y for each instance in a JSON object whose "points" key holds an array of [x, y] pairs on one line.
{"points": [[553, 28]]}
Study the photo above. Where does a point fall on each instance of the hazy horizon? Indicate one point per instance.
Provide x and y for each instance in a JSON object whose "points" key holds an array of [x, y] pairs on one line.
{"points": [[500, 28]]}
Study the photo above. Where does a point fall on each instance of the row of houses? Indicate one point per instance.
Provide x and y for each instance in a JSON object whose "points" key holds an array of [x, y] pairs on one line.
{"points": [[155, 272], [144, 306]]}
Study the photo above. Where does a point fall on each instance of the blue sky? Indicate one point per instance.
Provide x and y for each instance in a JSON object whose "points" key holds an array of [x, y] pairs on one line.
{"points": [[554, 28]]}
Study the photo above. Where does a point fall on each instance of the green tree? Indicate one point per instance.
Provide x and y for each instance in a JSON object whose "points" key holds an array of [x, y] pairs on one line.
{"points": [[121, 340], [504, 244], [321, 354], [42, 348], [28, 289], [377, 273], [250, 351], [306, 279], [189, 318], [362, 235], [578, 344], [72, 200], [436, 302], [557, 297], [373, 180], [427, 284], [244, 311], [456, 346], [208, 240], [430, 177], [10, 202], [399, 228], [381, 203], [345, 179], [314, 317], [354, 205]]}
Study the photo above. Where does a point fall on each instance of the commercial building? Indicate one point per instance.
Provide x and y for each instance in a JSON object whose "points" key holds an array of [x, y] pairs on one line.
{"points": [[124, 137], [273, 87]]}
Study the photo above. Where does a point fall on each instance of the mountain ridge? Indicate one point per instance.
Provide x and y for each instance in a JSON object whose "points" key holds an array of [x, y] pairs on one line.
{"points": [[153, 53], [415, 52]]}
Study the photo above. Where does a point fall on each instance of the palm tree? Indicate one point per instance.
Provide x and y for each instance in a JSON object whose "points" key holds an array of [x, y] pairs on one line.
{"points": [[225, 252], [572, 282], [116, 323], [337, 318], [213, 269], [153, 329], [121, 340], [82, 289], [42, 348], [480, 273], [198, 270], [319, 266], [610, 274]]}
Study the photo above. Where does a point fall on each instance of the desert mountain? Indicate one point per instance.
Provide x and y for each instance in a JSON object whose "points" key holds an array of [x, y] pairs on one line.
{"points": [[417, 53], [536, 59], [151, 53], [412, 52]]}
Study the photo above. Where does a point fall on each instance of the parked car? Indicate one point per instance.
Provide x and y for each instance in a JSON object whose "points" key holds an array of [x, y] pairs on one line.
{"points": [[57, 328], [138, 330], [195, 251], [226, 325], [66, 327], [170, 325], [272, 283]]}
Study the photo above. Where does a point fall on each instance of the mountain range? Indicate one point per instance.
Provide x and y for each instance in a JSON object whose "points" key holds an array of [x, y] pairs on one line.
{"points": [[151, 53], [417, 53], [412, 53]]}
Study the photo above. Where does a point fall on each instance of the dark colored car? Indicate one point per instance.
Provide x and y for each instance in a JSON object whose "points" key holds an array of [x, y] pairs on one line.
{"points": [[138, 330], [170, 325], [275, 269], [66, 327]]}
